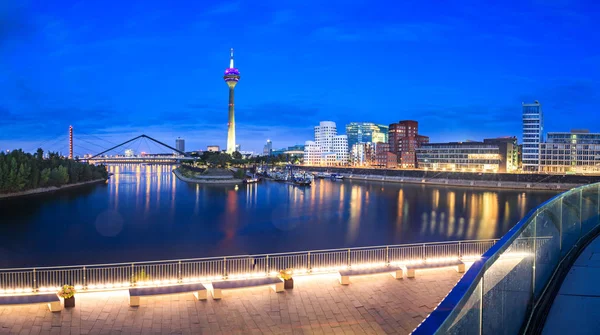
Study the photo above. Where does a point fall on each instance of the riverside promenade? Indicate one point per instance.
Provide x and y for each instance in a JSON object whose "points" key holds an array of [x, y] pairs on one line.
{"points": [[576, 307], [318, 304]]}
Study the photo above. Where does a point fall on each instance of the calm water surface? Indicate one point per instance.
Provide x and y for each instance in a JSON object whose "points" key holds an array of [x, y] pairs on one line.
{"points": [[146, 213]]}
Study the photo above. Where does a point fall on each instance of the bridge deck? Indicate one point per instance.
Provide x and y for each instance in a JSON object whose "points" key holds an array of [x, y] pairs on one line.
{"points": [[317, 304]]}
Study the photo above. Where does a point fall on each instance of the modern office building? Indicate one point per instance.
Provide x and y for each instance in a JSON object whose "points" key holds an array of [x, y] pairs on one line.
{"points": [[292, 151], [404, 139], [362, 154], [509, 151], [533, 131], [180, 144], [340, 148], [231, 77], [324, 134], [238, 147], [328, 144], [373, 155], [268, 148], [466, 156], [312, 153], [384, 158], [213, 148], [577, 151], [365, 132]]}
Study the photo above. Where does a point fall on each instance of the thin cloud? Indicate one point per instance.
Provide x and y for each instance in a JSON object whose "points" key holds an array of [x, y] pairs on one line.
{"points": [[408, 32]]}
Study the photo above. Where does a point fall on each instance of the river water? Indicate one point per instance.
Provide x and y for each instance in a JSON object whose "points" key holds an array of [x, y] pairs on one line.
{"points": [[145, 213]]}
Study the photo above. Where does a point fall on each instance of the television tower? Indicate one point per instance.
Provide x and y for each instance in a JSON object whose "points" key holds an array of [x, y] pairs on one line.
{"points": [[232, 75], [70, 142]]}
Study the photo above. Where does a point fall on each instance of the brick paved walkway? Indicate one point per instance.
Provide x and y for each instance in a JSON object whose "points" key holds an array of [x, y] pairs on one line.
{"points": [[317, 305]]}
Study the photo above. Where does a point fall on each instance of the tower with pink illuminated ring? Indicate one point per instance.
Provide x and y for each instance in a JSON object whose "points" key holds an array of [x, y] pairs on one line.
{"points": [[232, 76]]}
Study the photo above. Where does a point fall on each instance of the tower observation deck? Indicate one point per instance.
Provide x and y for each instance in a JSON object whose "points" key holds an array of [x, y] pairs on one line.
{"points": [[231, 77]]}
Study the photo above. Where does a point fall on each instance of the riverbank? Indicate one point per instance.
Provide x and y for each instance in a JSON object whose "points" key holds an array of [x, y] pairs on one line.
{"points": [[465, 183], [464, 179], [206, 179], [44, 190]]}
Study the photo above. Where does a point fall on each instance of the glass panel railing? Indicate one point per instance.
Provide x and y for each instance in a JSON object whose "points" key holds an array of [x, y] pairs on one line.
{"points": [[547, 251], [468, 320], [499, 292], [571, 220], [589, 209], [507, 285]]}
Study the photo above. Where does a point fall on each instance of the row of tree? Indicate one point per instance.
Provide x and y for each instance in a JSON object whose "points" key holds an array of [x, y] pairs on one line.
{"points": [[20, 171], [221, 159]]}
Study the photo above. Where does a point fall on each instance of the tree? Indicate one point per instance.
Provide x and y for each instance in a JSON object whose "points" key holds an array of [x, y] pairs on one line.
{"points": [[86, 174], [22, 177], [237, 155], [44, 177], [39, 154], [220, 160]]}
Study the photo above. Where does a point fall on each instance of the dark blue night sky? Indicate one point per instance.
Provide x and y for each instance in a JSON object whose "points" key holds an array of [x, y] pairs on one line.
{"points": [[116, 69]]}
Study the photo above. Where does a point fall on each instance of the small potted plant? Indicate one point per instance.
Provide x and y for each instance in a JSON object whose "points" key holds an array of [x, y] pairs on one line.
{"points": [[67, 292], [288, 281]]}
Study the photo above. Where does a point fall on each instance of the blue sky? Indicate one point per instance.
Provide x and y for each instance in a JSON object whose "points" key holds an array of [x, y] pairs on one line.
{"points": [[115, 70]]}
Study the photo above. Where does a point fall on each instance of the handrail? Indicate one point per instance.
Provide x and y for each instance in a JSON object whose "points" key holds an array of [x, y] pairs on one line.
{"points": [[128, 274], [246, 256], [446, 314]]}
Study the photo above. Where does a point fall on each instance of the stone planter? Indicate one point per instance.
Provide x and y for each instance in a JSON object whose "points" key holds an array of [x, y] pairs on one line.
{"points": [[70, 302], [288, 284]]}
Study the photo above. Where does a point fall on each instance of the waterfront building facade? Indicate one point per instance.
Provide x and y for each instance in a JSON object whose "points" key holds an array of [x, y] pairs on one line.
{"points": [[508, 150], [362, 154], [340, 148], [329, 144], [577, 151], [324, 134], [268, 148], [293, 151], [404, 139], [365, 132], [384, 158], [464, 156], [312, 153], [180, 144], [533, 130]]}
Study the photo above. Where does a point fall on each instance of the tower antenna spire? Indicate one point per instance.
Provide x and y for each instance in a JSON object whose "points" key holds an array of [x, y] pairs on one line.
{"points": [[231, 60]]}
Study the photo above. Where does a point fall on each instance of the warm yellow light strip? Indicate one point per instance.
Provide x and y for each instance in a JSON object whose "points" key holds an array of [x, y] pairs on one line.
{"points": [[302, 271]]}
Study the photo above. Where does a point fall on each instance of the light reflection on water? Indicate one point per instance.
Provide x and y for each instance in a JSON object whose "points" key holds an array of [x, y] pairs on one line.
{"points": [[146, 213]]}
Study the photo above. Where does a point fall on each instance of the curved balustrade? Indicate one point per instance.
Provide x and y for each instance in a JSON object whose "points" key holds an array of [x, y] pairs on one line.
{"points": [[499, 292]]}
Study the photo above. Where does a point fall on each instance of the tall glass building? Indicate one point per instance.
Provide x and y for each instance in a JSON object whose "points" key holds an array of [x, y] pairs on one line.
{"points": [[533, 129], [366, 132]]}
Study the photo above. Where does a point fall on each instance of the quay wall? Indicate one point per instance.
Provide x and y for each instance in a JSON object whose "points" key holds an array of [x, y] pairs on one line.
{"points": [[463, 179], [207, 179]]}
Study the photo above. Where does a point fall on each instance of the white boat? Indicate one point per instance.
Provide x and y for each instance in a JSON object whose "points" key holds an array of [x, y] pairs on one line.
{"points": [[323, 175], [337, 176]]}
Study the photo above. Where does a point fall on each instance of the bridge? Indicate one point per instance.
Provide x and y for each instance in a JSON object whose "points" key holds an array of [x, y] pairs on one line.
{"points": [[131, 156], [94, 149]]}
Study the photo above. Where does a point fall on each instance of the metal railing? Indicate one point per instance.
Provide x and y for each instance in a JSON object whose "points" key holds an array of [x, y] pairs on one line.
{"points": [[501, 290], [121, 275]]}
